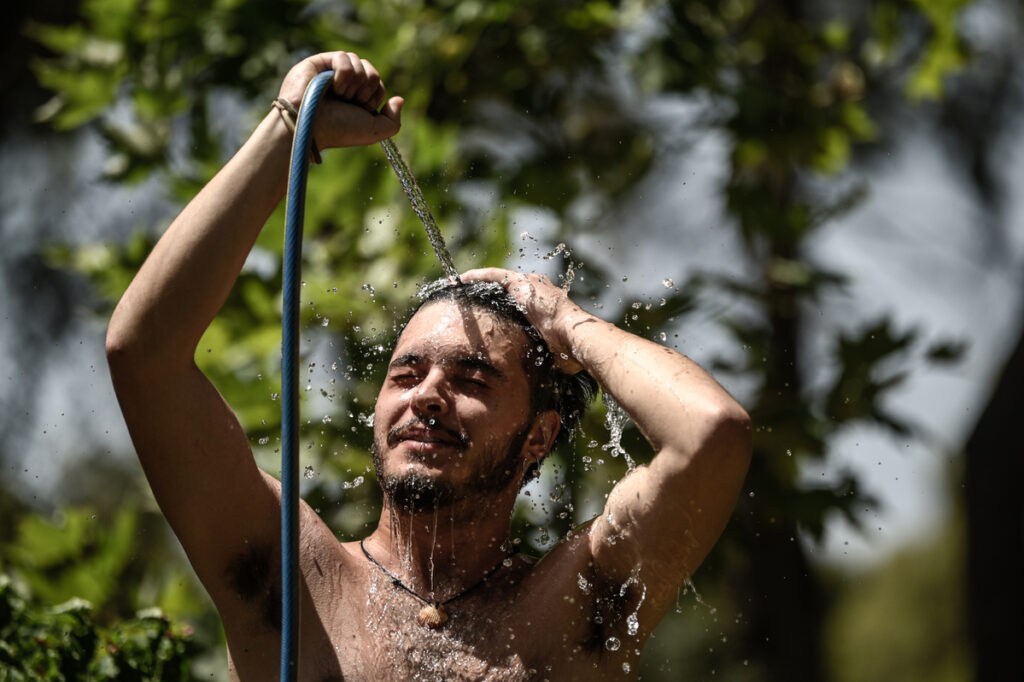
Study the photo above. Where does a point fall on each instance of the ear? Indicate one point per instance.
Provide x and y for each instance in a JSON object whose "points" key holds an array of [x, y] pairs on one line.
{"points": [[541, 436]]}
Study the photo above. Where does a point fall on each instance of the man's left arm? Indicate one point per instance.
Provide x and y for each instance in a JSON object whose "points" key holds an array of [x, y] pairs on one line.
{"points": [[663, 517]]}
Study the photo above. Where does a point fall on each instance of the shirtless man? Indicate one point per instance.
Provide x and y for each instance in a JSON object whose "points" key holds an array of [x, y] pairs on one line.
{"points": [[432, 592]]}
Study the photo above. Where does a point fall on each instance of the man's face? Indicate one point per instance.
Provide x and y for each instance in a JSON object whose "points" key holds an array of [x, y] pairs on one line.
{"points": [[453, 413]]}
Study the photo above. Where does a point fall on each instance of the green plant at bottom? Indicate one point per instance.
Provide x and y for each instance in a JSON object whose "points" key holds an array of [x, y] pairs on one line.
{"points": [[65, 643]]}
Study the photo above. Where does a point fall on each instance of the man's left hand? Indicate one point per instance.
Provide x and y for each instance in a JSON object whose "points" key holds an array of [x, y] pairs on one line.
{"points": [[547, 307]]}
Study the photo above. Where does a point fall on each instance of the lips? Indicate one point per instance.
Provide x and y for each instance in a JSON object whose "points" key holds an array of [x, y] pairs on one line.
{"points": [[427, 437]]}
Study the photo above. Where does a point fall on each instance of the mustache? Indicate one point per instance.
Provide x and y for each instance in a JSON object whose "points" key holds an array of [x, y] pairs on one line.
{"points": [[397, 433]]}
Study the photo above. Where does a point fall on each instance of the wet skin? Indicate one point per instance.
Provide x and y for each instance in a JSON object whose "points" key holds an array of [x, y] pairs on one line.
{"points": [[454, 397], [458, 395], [529, 621], [657, 525]]}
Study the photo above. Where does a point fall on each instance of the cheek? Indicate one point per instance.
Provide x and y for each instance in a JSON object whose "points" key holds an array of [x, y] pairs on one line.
{"points": [[386, 408], [502, 418]]}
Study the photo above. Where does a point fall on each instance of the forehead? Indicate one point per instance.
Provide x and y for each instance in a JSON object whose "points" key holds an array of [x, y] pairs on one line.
{"points": [[447, 330]]}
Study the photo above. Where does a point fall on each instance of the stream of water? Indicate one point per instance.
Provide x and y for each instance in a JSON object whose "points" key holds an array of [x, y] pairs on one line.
{"points": [[419, 205]]}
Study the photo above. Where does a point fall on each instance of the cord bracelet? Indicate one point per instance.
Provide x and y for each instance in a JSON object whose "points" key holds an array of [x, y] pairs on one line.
{"points": [[290, 115]]}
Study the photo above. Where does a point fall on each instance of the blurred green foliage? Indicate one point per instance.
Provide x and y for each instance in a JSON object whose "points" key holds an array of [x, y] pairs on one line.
{"points": [[535, 104], [65, 643], [98, 595]]}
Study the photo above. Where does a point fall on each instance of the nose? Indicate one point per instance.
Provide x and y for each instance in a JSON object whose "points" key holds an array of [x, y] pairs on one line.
{"points": [[430, 397]]}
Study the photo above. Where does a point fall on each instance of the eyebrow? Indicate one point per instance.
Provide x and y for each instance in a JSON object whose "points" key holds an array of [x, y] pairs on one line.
{"points": [[482, 365], [464, 363], [406, 360]]}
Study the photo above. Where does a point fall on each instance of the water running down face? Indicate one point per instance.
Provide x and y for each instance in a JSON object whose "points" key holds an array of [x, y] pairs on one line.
{"points": [[453, 414]]}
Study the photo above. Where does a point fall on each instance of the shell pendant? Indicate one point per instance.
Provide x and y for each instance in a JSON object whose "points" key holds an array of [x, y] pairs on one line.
{"points": [[432, 616]]}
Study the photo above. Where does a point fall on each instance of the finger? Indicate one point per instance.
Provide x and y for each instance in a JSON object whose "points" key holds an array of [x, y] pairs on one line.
{"points": [[389, 120], [357, 79], [341, 63], [377, 98], [487, 275], [371, 93], [392, 112], [322, 61]]}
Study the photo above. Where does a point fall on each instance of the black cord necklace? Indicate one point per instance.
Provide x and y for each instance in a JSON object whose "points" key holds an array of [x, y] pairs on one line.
{"points": [[433, 614]]}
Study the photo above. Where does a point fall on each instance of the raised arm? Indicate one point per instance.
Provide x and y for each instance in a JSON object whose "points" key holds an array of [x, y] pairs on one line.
{"points": [[188, 440], [662, 518]]}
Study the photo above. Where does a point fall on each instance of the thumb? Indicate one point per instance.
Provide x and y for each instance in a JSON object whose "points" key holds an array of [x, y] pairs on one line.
{"points": [[392, 111]]}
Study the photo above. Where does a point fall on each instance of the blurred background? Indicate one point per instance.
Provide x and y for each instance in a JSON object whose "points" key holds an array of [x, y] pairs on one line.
{"points": [[813, 199]]}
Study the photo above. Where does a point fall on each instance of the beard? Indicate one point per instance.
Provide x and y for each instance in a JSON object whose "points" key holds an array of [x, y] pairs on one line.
{"points": [[415, 493]]}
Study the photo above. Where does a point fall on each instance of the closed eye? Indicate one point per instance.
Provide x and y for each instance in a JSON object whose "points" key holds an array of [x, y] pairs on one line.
{"points": [[405, 378], [475, 381]]}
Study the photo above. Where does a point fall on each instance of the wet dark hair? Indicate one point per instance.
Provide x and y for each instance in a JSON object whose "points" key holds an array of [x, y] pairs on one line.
{"points": [[550, 388]]}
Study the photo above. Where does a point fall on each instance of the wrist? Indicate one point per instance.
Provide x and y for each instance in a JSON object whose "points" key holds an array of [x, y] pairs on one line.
{"points": [[273, 131], [569, 329], [289, 116]]}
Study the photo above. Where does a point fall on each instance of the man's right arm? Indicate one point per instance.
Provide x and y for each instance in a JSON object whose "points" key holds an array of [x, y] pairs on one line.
{"points": [[191, 446]]}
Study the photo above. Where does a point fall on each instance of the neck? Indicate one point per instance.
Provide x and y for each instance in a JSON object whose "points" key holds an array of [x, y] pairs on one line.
{"points": [[439, 553]]}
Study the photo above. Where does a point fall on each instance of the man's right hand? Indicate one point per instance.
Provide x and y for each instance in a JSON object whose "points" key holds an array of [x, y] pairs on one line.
{"points": [[349, 115]]}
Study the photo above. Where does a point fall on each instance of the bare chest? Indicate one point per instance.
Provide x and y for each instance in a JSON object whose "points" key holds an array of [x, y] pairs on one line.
{"points": [[499, 633], [520, 625]]}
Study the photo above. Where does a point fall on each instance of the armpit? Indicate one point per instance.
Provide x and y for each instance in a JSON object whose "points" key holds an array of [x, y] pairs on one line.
{"points": [[255, 575]]}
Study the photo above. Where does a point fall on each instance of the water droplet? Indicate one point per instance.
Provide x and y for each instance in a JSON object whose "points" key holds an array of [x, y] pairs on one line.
{"points": [[308, 473], [612, 644], [354, 483], [668, 282], [615, 422], [625, 666], [632, 624], [264, 440], [582, 583]]}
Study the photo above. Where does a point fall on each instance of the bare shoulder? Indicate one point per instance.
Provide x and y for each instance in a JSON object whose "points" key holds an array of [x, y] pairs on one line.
{"points": [[567, 575], [580, 618]]}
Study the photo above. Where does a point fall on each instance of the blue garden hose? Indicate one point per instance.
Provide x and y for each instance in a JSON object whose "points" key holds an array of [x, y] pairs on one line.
{"points": [[294, 217]]}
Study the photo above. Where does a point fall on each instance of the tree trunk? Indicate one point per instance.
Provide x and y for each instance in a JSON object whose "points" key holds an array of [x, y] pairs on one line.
{"points": [[995, 528]]}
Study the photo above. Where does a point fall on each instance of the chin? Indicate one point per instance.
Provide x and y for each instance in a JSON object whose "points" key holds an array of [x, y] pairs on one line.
{"points": [[413, 490], [410, 481]]}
